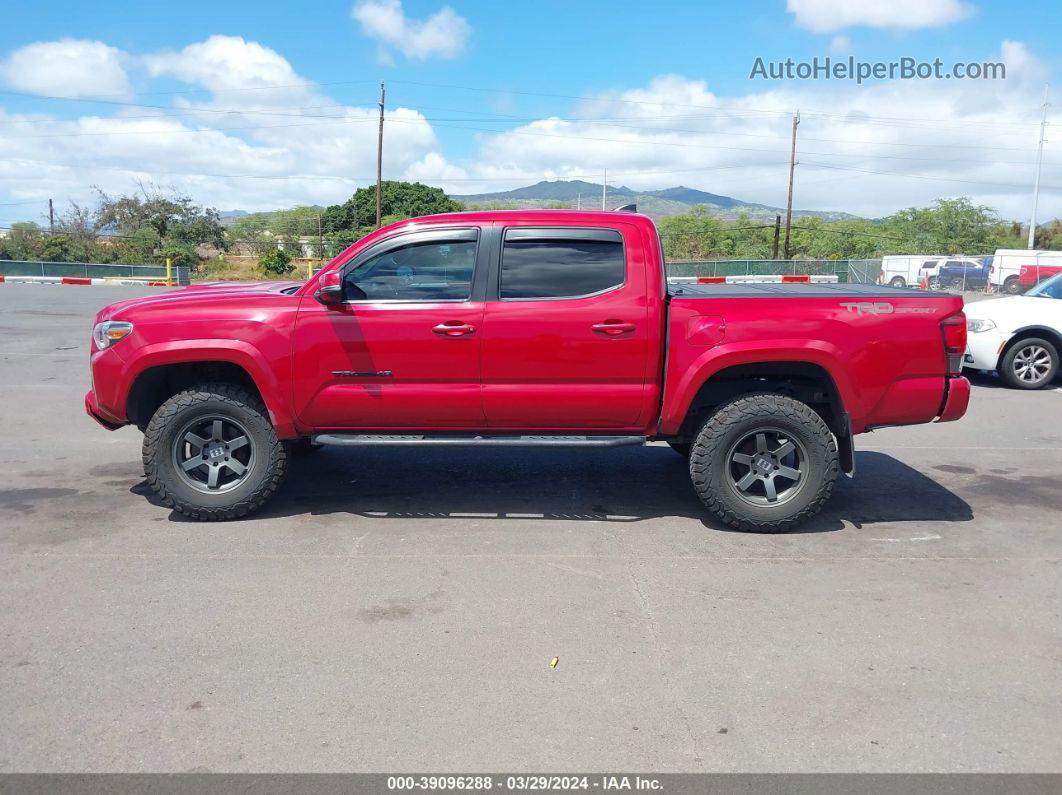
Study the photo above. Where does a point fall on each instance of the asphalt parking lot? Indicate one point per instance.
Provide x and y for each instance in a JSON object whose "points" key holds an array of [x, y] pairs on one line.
{"points": [[397, 612]]}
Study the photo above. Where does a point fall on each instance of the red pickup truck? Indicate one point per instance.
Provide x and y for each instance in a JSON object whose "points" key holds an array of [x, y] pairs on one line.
{"points": [[545, 328]]}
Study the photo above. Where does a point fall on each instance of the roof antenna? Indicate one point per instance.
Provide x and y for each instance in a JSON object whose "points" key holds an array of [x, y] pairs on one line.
{"points": [[626, 208]]}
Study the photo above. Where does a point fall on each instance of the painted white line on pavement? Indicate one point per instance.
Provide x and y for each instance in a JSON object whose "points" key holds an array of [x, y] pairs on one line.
{"points": [[916, 538]]}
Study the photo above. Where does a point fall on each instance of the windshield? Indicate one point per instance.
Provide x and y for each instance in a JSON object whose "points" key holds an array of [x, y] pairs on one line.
{"points": [[1052, 288]]}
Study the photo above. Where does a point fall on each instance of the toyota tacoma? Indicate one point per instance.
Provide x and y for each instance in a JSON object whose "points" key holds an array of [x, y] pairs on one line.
{"points": [[523, 328]]}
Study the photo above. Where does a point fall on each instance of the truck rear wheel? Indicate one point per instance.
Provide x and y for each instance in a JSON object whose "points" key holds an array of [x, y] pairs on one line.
{"points": [[764, 463], [212, 454]]}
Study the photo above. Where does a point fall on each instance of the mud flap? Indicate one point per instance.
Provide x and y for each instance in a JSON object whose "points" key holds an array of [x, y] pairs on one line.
{"points": [[846, 449]]}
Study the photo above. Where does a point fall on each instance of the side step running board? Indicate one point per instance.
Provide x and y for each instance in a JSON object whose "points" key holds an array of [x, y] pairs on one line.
{"points": [[453, 440]]}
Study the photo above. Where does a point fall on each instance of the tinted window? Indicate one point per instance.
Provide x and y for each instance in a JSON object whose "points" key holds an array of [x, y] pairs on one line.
{"points": [[558, 266], [425, 271]]}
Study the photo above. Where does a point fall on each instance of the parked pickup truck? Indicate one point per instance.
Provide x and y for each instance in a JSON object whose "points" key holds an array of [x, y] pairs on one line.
{"points": [[523, 328]]}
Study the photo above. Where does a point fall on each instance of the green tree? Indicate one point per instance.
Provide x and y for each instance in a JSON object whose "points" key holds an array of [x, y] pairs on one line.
{"points": [[24, 241], [949, 226], [152, 221], [398, 199]]}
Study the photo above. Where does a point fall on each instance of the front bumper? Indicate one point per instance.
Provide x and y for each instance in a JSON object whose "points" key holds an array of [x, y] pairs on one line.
{"points": [[983, 349], [93, 409], [956, 401]]}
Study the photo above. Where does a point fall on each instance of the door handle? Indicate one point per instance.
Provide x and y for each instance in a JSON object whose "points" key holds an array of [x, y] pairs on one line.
{"points": [[454, 328], [613, 328]]}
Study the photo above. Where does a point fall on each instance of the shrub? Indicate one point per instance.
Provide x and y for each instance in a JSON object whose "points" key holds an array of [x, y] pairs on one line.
{"points": [[276, 262]]}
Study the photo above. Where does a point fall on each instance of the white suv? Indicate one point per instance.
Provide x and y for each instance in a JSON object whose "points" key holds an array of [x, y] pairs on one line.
{"points": [[1021, 336]]}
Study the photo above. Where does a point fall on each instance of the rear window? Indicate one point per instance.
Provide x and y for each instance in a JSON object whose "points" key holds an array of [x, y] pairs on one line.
{"points": [[560, 263]]}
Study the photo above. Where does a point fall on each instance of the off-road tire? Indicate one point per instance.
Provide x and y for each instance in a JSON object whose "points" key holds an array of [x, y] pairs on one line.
{"points": [[259, 484], [709, 467], [1006, 363]]}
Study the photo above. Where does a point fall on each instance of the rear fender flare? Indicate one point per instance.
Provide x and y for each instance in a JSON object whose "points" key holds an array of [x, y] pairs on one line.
{"points": [[720, 357]]}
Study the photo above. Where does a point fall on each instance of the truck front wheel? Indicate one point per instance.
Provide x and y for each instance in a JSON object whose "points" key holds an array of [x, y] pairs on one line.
{"points": [[764, 463], [211, 453]]}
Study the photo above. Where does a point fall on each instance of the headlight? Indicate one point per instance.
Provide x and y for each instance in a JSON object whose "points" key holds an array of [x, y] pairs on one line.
{"points": [[108, 332], [975, 325]]}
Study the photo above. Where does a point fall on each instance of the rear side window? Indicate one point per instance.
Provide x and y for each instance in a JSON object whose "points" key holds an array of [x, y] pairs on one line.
{"points": [[560, 263]]}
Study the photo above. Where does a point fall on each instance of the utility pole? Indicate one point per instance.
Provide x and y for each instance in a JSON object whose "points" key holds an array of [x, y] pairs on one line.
{"points": [[379, 159], [51, 216], [777, 229], [579, 201], [320, 238], [789, 200], [1036, 184], [604, 188]]}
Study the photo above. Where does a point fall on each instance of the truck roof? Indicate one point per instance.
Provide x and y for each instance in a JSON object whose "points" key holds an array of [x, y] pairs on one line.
{"points": [[573, 217]]}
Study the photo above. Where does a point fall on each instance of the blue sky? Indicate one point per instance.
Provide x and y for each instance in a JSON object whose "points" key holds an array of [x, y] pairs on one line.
{"points": [[488, 96]]}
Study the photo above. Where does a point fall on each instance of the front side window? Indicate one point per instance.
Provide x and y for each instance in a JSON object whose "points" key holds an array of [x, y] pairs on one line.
{"points": [[557, 263], [436, 270]]}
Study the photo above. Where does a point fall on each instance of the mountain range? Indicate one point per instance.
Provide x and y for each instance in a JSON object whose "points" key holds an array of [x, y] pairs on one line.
{"points": [[654, 203]]}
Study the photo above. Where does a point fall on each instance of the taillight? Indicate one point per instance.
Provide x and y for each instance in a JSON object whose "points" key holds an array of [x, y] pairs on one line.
{"points": [[953, 329]]}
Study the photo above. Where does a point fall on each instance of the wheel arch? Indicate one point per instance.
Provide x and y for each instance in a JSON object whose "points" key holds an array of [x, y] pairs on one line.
{"points": [[807, 381], [162, 373], [1027, 332]]}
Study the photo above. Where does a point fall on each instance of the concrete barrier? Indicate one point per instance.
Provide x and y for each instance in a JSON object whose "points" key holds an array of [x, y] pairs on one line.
{"points": [[84, 281]]}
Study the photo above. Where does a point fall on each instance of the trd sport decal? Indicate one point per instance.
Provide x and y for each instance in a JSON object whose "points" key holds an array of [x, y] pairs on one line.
{"points": [[884, 308]]}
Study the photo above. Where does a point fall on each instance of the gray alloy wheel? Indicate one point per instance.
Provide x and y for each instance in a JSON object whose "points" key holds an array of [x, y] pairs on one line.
{"points": [[767, 467], [213, 454], [897, 281], [1030, 363], [764, 463]]}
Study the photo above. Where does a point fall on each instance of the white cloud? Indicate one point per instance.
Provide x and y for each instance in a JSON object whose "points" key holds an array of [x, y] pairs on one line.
{"points": [[279, 147], [67, 67], [827, 16], [261, 137], [868, 150], [229, 63], [442, 35]]}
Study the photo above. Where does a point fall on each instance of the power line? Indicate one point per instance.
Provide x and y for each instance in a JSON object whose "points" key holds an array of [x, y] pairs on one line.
{"points": [[512, 178]]}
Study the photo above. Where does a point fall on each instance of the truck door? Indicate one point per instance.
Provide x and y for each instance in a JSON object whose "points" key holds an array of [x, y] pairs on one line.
{"points": [[403, 348], [565, 333]]}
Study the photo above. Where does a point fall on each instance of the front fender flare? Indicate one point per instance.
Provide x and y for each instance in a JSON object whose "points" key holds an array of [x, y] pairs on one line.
{"points": [[237, 352]]}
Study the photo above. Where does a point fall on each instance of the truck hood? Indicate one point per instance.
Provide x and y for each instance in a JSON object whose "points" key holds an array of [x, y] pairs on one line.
{"points": [[195, 293], [1017, 311]]}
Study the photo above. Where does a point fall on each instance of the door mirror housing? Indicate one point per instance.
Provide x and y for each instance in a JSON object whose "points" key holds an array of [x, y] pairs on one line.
{"points": [[329, 289]]}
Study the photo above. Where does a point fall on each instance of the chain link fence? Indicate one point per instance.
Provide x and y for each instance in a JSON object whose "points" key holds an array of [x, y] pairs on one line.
{"points": [[91, 270], [865, 271]]}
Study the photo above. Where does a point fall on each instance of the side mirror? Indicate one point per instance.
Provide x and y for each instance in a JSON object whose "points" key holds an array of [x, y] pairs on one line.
{"points": [[329, 289]]}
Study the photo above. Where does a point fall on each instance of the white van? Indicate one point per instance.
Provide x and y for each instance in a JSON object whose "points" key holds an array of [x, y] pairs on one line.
{"points": [[1007, 264], [907, 270]]}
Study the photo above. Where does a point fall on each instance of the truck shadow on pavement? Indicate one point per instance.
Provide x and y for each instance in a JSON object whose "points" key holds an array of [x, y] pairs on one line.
{"points": [[622, 486]]}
